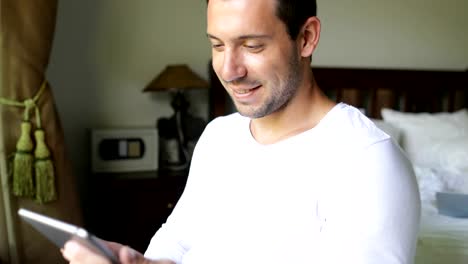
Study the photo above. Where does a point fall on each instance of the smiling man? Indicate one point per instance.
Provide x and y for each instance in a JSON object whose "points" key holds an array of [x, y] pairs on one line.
{"points": [[264, 68], [291, 177]]}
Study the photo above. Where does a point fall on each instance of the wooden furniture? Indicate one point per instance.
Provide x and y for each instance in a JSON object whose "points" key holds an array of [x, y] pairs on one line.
{"points": [[130, 208], [373, 89], [404, 90]]}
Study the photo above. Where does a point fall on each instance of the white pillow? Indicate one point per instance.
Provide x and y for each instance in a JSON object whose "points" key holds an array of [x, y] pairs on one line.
{"points": [[420, 131], [429, 182], [432, 180], [450, 154]]}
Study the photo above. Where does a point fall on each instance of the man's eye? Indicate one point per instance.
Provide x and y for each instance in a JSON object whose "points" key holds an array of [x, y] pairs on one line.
{"points": [[217, 46], [254, 48]]}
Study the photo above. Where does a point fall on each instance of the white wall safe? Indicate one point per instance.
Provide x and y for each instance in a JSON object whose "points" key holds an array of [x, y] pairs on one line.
{"points": [[124, 150]]}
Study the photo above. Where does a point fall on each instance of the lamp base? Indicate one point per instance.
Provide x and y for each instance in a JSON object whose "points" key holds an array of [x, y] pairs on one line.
{"points": [[170, 156], [178, 136]]}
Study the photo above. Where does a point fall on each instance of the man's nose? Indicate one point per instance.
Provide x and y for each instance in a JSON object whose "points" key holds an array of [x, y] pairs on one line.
{"points": [[233, 67]]}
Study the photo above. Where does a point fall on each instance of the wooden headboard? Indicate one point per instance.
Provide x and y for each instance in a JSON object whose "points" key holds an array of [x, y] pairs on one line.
{"points": [[374, 89]]}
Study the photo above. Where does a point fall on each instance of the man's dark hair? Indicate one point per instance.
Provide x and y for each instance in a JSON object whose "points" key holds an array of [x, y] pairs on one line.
{"points": [[294, 14]]}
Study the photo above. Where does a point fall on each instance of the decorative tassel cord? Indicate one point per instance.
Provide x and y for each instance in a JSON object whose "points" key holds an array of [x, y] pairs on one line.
{"points": [[28, 104], [24, 164]]}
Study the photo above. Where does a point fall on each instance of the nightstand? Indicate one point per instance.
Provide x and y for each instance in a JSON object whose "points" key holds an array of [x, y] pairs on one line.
{"points": [[129, 208]]}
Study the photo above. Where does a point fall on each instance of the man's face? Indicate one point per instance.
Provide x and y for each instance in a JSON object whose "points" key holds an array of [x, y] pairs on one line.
{"points": [[253, 56]]}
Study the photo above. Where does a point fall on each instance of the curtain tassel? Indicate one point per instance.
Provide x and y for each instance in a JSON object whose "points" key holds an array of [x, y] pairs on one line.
{"points": [[23, 185], [25, 162], [44, 169]]}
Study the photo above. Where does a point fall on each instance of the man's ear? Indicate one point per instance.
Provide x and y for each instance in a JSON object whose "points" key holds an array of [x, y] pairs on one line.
{"points": [[309, 36]]}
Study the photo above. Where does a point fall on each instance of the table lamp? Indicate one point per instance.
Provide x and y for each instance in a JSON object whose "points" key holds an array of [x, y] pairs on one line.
{"points": [[179, 133]]}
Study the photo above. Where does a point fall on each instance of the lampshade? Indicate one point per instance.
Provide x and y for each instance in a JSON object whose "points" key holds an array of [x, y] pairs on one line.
{"points": [[176, 77]]}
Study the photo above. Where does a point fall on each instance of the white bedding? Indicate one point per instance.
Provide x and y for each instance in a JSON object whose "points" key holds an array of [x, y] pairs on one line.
{"points": [[437, 145], [442, 239]]}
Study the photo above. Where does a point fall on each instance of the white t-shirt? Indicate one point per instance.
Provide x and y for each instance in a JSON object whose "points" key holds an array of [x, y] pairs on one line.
{"points": [[341, 192]]}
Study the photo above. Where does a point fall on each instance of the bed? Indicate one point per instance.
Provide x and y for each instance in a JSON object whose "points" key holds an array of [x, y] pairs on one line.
{"points": [[425, 112]]}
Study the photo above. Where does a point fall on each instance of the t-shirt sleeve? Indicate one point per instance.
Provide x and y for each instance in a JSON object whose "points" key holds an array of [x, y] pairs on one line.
{"points": [[372, 214], [168, 242], [173, 239]]}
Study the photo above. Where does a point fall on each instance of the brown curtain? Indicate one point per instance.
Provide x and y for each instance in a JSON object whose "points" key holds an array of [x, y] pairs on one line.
{"points": [[27, 34]]}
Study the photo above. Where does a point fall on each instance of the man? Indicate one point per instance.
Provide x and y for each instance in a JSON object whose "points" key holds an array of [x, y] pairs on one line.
{"points": [[292, 177]]}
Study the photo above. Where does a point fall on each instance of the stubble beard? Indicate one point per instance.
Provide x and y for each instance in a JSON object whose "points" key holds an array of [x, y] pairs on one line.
{"points": [[279, 97]]}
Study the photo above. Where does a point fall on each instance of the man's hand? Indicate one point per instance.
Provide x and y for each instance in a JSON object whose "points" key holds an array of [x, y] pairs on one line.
{"points": [[76, 253]]}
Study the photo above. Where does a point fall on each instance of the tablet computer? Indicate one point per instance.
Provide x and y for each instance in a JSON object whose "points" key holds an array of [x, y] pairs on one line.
{"points": [[60, 232]]}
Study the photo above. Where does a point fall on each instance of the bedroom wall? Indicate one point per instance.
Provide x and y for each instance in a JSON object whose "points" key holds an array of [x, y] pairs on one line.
{"points": [[423, 34], [106, 51]]}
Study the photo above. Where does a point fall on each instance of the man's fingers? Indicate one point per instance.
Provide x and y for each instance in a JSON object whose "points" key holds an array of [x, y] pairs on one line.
{"points": [[130, 256], [115, 247], [77, 253], [70, 250]]}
